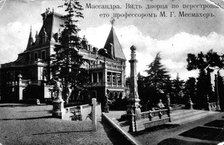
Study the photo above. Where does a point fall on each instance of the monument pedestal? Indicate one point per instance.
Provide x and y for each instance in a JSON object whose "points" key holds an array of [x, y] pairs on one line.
{"points": [[58, 107], [189, 104], [134, 116], [134, 108]]}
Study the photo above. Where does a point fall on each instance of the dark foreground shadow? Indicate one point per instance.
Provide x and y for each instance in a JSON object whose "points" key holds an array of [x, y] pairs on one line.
{"points": [[113, 135], [205, 133], [216, 123], [30, 118], [156, 128], [174, 141]]}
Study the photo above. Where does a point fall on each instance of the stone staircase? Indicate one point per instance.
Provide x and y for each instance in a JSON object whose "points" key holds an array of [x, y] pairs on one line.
{"points": [[184, 116]]}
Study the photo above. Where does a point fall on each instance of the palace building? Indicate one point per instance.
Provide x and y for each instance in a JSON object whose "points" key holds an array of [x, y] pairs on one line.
{"points": [[26, 78]]}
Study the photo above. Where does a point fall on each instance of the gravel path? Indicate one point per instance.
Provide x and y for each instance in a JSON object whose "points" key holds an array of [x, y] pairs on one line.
{"points": [[24, 124]]}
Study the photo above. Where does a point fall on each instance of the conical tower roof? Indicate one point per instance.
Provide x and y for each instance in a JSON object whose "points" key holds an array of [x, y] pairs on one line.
{"points": [[113, 40], [30, 39]]}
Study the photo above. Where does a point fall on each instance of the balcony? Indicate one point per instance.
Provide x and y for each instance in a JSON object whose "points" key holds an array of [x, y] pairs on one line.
{"points": [[108, 66], [114, 66], [101, 84], [97, 84], [97, 66], [110, 84]]}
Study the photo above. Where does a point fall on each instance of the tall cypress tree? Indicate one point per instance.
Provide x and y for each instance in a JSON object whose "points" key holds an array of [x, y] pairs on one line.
{"points": [[177, 89], [190, 89], [67, 62], [157, 74], [157, 79]]}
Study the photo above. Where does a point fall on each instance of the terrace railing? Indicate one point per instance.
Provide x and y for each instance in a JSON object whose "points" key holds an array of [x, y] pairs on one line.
{"points": [[156, 114], [212, 106]]}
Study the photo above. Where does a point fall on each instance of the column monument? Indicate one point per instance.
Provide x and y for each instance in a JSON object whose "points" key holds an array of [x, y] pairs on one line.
{"points": [[133, 111]]}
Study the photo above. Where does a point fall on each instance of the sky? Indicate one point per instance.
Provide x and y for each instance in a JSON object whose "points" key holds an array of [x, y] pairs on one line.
{"points": [[174, 37]]}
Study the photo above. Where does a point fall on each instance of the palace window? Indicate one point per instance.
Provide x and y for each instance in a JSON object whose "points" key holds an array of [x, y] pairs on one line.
{"points": [[43, 55], [90, 78], [100, 77], [119, 79], [109, 81], [30, 58], [114, 79], [94, 78], [35, 56]]}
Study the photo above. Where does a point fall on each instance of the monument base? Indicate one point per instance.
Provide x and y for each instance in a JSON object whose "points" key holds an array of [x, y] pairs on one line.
{"points": [[134, 115], [58, 108]]}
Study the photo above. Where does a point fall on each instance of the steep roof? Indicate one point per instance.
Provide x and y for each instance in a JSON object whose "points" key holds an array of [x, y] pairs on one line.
{"points": [[51, 25], [30, 39], [117, 49]]}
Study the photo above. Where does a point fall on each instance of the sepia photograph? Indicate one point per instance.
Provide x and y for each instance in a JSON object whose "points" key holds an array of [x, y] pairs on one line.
{"points": [[115, 72]]}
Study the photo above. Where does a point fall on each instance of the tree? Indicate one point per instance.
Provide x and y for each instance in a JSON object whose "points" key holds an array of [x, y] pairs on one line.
{"points": [[205, 63], [157, 74], [142, 91], [190, 89], [177, 90], [157, 81], [219, 87], [67, 62]]}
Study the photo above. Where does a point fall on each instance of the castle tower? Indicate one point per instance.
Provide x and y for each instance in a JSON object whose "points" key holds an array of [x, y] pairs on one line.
{"points": [[113, 45]]}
